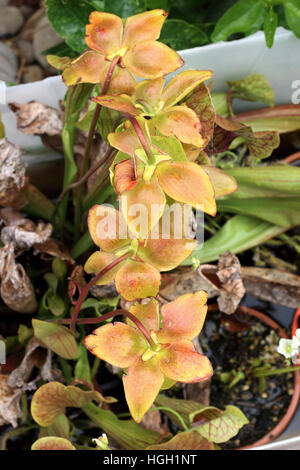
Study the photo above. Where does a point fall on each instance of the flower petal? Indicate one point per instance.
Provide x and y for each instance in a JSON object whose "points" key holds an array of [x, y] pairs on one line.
{"points": [[222, 182], [116, 343], [166, 254], [187, 182], [141, 385], [59, 63], [122, 81], [104, 33], [120, 103], [183, 318], [127, 141], [143, 27], [183, 84], [107, 228], [178, 362], [124, 178], [143, 206], [148, 314], [90, 67], [148, 92], [151, 59], [136, 280], [182, 122], [97, 262]]}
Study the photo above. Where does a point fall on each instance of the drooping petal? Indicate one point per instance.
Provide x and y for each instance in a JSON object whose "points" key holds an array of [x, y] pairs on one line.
{"points": [[148, 314], [141, 385], [116, 343], [120, 103], [183, 318], [151, 59], [187, 182], [166, 254], [137, 280], [107, 228], [222, 182], [143, 27], [122, 81], [97, 262], [143, 206], [104, 33], [90, 67], [178, 362], [148, 93], [182, 85], [182, 122]]}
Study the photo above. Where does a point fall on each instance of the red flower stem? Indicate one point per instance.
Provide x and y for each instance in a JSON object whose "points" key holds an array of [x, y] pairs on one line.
{"points": [[141, 136], [106, 316], [85, 290]]}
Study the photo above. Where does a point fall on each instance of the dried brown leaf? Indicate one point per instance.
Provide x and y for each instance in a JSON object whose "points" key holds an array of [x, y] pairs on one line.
{"points": [[12, 175], [10, 410], [53, 248], [37, 118]]}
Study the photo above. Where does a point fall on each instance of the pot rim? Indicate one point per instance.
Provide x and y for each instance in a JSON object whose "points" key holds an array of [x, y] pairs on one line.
{"points": [[285, 420]]}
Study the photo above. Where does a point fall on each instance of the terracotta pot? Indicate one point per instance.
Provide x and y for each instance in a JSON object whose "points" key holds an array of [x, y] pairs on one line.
{"points": [[285, 420]]}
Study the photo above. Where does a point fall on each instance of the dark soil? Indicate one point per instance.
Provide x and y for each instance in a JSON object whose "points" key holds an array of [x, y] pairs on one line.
{"points": [[234, 351]]}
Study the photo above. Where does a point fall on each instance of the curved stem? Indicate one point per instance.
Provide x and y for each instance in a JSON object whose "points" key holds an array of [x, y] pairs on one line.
{"points": [[84, 292]]}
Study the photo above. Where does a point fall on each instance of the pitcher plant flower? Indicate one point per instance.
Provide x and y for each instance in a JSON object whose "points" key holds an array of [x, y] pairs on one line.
{"points": [[171, 356], [134, 47], [137, 276]]}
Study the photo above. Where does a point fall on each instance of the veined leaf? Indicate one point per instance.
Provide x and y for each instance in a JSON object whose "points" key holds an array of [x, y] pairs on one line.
{"points": [[52, 443], [180, 35], [189, 440], [56, 337], [253, 88]]}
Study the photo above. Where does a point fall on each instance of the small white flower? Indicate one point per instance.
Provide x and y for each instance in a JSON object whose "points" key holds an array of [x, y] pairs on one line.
{"points": [[288, 348], [101, 442], [296, 338]]}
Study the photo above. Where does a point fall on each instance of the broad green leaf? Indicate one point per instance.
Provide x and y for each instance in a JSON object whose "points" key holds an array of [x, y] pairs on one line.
{"points": [[52, 443], [125, 8], [240, 18], [171, 146], [270, 26], [82, 368], [180, 35], [59, 428], [52, 399], [282, 119], [284, 211], [220, 103], [68, 19], [130, 435], [238, 234], [152, 4], [253, 88], [292, 15], [189, 440], [220, 426], [56, 337]]}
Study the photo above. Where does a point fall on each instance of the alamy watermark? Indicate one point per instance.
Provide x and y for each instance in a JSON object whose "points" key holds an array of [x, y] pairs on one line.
{"points": [[295, 98], [2, 352]]}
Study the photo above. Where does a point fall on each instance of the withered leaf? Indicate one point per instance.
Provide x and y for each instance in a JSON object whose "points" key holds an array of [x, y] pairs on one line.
{"points": [[10, 410], [189, 440], [53, 248], [52, 443], [37, 118], [232, 289], [12, 175]]}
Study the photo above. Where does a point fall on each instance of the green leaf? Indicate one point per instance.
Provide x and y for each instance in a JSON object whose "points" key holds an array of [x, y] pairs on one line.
{"points": [[153, 4], [238, 234], [284, 211], [189, 440], [253, 88], [24, 334], [171, 146], [292, 15], [125, 8], [180, 35], [56, 337], [270, 26], [220, 103], [240, 18], [282, 119], [59, 428], [82, 367]]}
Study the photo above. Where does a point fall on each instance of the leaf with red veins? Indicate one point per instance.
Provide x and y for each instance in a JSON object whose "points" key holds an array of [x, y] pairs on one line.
{"points": [[183, 318], [137, 280], [141, 385], [181, 85], [151, 59], [120, 103], [90, 67], [148, 314], [143, 27], [179, 362], [187, 182], [148, 92], [104, 33], [126, 141], [222, 182], [143, 206], [189, 440], [107, 228], [99, 261], [116, 343], [52, 443], [166, 254], [182, 122], [125, 177]]}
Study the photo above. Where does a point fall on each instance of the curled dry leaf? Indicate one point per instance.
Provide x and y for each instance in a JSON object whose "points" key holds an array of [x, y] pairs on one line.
{"points": [[22, 233], [16, 288], [53, 248], [37, 118], [232, 288], [10, 410], [12, 175]]}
